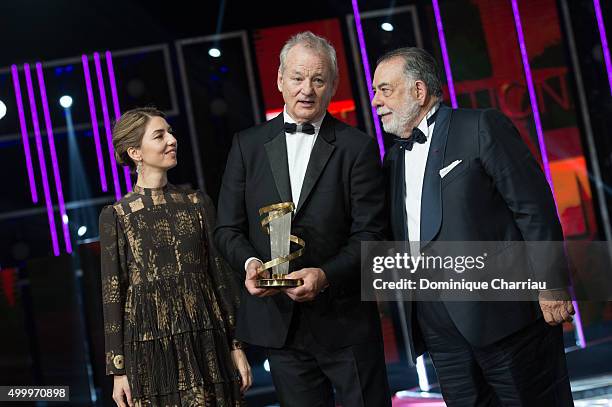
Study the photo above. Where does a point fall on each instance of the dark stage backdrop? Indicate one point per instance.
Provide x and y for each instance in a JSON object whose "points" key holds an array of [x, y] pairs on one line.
{"points": [[207, 99]]}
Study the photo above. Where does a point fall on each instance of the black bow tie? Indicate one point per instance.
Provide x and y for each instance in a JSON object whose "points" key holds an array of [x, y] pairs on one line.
{"points": [[417, 135], [303, 128]]}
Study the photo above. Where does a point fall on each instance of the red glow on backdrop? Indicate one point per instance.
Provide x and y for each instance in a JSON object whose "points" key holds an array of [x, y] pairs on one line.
{"points": [[8, 280], [501, 84]]}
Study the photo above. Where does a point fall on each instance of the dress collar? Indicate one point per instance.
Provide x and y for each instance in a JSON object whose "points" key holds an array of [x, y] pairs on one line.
{"points": [[151, 191]]}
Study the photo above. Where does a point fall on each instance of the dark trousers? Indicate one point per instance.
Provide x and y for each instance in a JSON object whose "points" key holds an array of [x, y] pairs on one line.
{"points": [[526, 368], [305, 373]]}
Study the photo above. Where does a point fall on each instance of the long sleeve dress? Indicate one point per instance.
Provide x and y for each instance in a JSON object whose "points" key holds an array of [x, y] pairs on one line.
{"points": [[168, 299]]}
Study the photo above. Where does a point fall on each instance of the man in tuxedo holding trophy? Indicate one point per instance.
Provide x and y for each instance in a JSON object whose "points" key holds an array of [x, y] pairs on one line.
{"points": [[308, 178]]}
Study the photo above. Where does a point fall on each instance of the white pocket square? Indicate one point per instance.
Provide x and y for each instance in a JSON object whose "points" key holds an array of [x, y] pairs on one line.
{"points": [[444, 171]]}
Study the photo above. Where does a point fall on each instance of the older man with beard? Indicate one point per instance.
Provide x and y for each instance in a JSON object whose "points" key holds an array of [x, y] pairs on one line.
{"points": [[466, 175]]}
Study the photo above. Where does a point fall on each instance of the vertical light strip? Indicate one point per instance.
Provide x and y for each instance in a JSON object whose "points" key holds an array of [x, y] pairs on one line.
{"points": [[445, 58], [532, 94], [54, 162], [107, 127], [541, 141], [604, 41], [94, 122], [24, 133], [117, 110], [41, 160], [422, 373], [588, 128], [366, 69], [581, 341]]}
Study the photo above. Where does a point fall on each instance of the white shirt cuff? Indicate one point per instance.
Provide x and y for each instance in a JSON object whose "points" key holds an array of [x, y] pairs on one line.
{"points": [[246, 263]]}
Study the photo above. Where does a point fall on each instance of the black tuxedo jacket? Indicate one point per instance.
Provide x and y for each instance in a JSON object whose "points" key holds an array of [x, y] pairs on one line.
{"points": [[341, 204], [497, 193]]}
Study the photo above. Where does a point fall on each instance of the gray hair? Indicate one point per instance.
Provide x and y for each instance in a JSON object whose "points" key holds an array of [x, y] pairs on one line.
{"points": [[316, 43], [418, 65]]}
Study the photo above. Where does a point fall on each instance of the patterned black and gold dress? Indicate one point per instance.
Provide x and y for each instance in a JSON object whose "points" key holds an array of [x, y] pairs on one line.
{"points": [[169, 300]]}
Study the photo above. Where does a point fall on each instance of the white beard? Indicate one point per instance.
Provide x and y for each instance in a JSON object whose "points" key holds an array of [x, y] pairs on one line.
{"points": [[401, 119]]}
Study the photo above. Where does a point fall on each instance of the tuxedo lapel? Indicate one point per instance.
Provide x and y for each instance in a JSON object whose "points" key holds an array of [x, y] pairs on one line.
{"points": [[319, 156], [276, 149], [431, 198], [397, 194]]}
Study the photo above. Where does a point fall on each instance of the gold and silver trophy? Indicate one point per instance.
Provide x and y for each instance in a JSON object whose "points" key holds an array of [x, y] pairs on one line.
{"points": [[277, 224]]}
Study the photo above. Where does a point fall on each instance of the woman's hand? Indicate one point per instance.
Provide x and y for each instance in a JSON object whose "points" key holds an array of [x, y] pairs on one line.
{"points": [[242, 364], [121, 391]]}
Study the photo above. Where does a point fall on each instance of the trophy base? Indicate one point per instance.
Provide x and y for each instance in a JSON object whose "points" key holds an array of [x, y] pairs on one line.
{"points": [[278, 282]]}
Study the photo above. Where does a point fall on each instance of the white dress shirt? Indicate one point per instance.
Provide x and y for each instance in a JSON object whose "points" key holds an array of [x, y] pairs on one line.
{"points": [[299, 148], [415, 162]]}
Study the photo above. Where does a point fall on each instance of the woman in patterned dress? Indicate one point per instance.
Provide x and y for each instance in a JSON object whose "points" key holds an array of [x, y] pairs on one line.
{"points": [[169, 298]]}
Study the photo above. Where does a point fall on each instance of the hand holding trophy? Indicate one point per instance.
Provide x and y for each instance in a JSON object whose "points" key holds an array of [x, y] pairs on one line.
{"points": [[277, 224]]}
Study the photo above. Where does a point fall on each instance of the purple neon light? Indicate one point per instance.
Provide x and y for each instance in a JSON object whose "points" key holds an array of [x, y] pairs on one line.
{"points": [[117, 110], [578, 322], [604, 41], [445, 59], [41, 160], [94, 122], [541, 141], [368, 77], [54, 162], [24, 133], [532, 94], [107, 126], [128, 178]]}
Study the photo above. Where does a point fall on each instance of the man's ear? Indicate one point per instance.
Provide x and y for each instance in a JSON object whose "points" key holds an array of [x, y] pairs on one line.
{"points": [[279, 80], [134, 154], [421, 92]]}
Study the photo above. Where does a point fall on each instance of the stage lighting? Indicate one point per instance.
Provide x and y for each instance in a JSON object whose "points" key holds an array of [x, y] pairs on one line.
{"points": [[65, 218], [214, 52], [65, 101], [2, 109], [266, 365], [387, 26], [422, 374], [82, 230]]}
